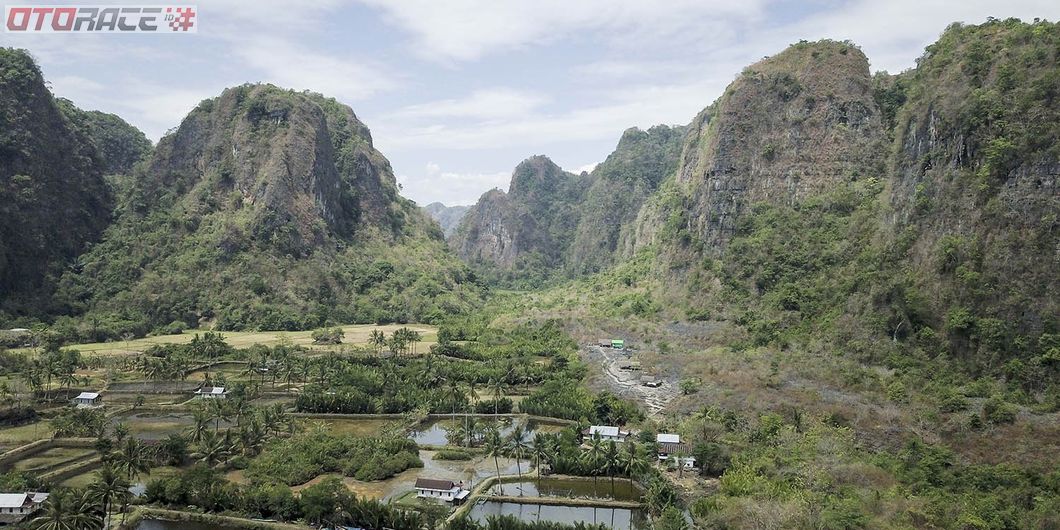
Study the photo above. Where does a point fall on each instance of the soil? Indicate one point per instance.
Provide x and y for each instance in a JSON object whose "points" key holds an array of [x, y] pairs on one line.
{"points": [[627, 383]]}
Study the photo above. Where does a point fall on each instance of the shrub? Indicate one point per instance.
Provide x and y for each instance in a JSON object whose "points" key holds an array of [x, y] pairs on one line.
{"points": [[997, 411]]}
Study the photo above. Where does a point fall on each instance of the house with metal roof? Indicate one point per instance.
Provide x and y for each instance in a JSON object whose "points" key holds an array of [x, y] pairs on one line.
{"points": [[14, 507], [88, 400], [444, 490], [607, 433], [212, 392]]}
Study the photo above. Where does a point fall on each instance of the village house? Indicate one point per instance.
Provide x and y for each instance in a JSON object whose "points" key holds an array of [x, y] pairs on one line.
{"points": [[606, 433], [444, 490], [211, 392], [671, 447], [14, 507], [88, 400]]}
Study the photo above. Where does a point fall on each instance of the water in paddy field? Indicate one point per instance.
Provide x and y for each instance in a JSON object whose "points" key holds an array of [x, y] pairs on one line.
{"points": [[571, 489], [617, 518], [436, 432], [155, 524]]}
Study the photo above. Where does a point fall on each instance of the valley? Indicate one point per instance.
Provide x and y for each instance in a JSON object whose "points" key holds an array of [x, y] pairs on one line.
{"points": [[829, 301]]}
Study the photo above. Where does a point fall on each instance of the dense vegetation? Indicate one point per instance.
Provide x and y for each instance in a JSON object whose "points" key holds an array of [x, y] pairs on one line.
{"points": [[298, 459]]}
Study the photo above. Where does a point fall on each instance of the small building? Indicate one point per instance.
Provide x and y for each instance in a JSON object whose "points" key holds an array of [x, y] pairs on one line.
{"points": [[444, 490], [650, 381], [604, 343], [618, 344], [212, 392], [88, 400], [632, 366], [14, 507], [606, 433], [672, 449]]}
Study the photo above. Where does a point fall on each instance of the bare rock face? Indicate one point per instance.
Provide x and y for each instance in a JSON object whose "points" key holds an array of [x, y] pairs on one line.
{"points": [[534, 220], [487, 233], [301, 166], [975, 197], [789, 127], [54, 201]]}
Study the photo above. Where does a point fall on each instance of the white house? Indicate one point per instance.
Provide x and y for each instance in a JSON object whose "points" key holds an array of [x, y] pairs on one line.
{"points": [[15, 507], [445, 490], [88, 400], [211, 392], [606, 433], [671, 448]]}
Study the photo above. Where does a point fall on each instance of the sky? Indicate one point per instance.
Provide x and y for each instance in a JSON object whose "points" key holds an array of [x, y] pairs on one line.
{"points": [[457, 93]]}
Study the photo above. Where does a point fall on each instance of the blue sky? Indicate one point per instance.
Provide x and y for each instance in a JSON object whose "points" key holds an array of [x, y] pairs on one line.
{"points": [[457, 93]]}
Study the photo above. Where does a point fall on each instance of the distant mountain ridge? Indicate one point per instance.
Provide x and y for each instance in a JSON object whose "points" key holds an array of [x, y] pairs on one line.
{"points": [[448, 217]]}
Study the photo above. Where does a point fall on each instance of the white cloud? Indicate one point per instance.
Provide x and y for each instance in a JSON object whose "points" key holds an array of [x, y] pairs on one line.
{"points": [[484, 104], [470, 29], [290, 65], [449, 187]]}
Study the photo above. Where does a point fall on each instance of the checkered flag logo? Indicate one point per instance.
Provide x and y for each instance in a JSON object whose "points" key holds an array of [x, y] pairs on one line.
{"points": [[184, 18]]}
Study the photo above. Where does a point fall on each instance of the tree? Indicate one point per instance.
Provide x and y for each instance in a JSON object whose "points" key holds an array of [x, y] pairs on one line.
{"points": [[67, 510], [689, 386], [132, 458], [517, 447], [201, 417], [377, 339], [612, 462], [672, 519], [634, 462], [495, 447], [212, 449], [218, 410], [541, 450], [591, 457], [109, 487]]}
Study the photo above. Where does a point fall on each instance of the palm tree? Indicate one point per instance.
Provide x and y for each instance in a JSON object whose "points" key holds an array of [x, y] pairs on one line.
{"points": [[211, 449], [517, 447], [201, 416], [495, 447], [65, 510], [591, 457], [634, 462], [109, 486], [218, 410], [497, 386], [541, 449], [132, 459], [121, 431], [378, 339], [612, 461]]}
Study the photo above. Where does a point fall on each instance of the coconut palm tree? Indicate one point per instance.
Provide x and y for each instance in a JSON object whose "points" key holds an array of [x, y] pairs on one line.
{"points": [[541, 450], [517, 447], [612, 462], [497, 386], [109, 487], [591, 457], [201, 417], [634, 462], [211, 449], [218, 410], [378, 339], [120, 432], [495, 447], [66, 510], [132, 458]]}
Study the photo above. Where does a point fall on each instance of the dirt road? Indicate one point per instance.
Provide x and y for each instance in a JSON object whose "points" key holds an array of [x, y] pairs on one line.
{"points": [[627, 384]]}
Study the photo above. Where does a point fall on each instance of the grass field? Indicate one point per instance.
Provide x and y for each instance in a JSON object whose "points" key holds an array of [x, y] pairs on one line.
{"points": [[356, 334]]}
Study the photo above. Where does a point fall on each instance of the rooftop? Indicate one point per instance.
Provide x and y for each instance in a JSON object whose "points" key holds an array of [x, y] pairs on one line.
{"points": [[87, 395], [434, 484], [664, 438]]}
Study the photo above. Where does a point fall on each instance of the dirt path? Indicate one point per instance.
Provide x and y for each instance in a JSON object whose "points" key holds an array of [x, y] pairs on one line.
{"points": [[627, 383]]}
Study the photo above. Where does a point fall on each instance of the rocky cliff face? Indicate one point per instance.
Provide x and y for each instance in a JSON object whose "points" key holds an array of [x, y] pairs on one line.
{"points": [[553, 224], [975, 194], [120, 145], [53, 199], [620, 186], [530, 228], [790, 127], [267, 208], [447, 217]]}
